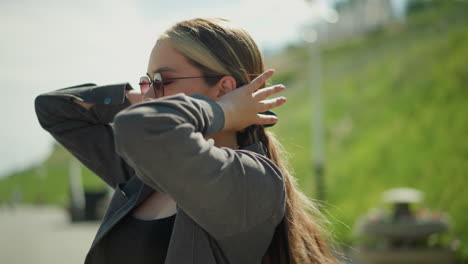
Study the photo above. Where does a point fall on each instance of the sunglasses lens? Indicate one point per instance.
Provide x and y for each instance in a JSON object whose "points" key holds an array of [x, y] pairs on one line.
{"points": [[144, 84], [158, 85]]}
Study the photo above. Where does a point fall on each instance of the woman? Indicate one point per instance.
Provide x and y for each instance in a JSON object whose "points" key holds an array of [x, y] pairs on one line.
{"points": [[197, 177]]}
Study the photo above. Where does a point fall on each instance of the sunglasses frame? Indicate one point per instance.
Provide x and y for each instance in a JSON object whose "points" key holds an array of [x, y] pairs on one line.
{"points": [[157, 83]]}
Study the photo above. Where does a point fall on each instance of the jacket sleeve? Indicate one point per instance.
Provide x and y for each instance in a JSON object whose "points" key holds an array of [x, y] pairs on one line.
{"points": [[87, 133], [225, 191]]}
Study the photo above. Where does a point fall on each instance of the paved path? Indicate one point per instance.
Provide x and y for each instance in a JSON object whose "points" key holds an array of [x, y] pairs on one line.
{"points": [[42, 235]]}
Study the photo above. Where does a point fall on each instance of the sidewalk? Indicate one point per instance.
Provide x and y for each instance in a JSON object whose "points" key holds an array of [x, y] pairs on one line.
{"points": [[43, 235]]}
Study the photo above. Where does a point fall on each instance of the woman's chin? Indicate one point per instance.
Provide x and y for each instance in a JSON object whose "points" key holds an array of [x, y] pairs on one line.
{"points": [[148, 96]]}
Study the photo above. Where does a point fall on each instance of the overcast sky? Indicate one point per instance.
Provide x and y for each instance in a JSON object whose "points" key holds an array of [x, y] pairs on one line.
{"points": [[51, 44]]}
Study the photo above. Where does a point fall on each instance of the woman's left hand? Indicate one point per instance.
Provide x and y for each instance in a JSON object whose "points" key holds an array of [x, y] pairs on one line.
{"points": [[242, 106]]}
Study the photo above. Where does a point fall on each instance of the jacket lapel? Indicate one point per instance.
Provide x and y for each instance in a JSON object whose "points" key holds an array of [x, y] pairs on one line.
{"points": [[127, 196]]}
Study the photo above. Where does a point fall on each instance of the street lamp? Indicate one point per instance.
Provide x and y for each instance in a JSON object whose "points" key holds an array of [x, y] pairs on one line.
{"points": [[323, 14]]}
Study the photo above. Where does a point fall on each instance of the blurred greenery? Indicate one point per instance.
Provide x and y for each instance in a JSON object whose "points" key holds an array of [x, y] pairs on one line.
{"points": [[47, 182], [396, 104], [395, 113]]}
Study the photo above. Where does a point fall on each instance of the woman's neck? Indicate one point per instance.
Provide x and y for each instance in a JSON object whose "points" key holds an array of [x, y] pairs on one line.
{"points": [[225, 139]]}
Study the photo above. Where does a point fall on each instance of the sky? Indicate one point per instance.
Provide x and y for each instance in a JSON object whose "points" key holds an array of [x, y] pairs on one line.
{"points": [[51, 44]]}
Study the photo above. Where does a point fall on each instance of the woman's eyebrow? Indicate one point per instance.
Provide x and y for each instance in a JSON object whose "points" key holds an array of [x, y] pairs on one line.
{"points": [[165, 69], [162, 69]]}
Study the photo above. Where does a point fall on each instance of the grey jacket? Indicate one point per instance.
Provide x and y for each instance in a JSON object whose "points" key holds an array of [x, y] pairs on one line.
{"points": [[229, 202]]}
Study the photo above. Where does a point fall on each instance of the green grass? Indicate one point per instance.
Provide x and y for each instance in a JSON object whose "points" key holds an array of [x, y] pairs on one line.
{"points": [[47, 182]]}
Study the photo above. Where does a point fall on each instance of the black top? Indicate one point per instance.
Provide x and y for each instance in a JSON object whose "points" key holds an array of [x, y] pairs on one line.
{"points": [[143, 241]]}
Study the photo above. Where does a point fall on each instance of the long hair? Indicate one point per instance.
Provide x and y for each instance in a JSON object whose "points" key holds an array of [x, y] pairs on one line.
{"points": [[217, 48]]}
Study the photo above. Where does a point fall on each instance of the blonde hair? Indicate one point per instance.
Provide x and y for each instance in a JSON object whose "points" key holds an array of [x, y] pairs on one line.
{"points": [[217, 48]]}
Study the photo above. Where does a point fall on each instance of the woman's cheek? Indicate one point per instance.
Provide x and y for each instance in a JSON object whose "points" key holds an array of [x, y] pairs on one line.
{"points": [[149, 94]]}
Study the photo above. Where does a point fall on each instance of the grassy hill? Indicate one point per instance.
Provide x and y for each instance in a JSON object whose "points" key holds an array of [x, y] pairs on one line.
{"points": [[396, 105], [47, 182]]}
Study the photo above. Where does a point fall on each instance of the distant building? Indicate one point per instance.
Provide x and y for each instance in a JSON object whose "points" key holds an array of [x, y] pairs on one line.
{"points": [[358, 17]]}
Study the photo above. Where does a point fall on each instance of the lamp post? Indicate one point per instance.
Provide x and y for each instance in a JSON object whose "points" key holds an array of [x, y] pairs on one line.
{"points": [[311, 36], [318, 137]]}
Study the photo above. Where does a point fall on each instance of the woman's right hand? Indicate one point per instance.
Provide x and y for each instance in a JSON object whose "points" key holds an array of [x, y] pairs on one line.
{"points": [[134, 96], [83, 104]]}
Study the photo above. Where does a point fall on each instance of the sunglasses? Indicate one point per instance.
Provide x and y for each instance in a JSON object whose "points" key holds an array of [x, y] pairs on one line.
{"points": [[157, 83]]}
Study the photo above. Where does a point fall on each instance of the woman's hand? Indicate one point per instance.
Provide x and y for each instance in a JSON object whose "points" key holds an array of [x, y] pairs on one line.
{"points": [[242, 106], [133, 96], [83, 104]]}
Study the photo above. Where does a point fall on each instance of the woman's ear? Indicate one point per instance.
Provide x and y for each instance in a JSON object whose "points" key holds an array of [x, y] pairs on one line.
{"points": [[224, 86]]}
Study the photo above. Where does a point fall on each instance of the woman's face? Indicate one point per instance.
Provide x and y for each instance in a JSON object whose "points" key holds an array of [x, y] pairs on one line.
{"points": [[170, 63]]}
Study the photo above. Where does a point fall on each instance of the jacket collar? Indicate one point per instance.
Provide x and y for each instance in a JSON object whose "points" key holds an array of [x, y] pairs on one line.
{"points": [[256, 147]]}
